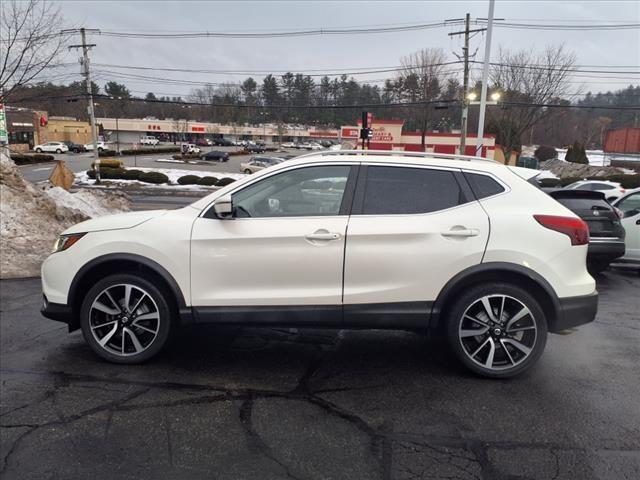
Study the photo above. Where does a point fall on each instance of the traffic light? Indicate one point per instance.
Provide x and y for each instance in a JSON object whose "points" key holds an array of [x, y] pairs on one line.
{"points": [[366, 134]]}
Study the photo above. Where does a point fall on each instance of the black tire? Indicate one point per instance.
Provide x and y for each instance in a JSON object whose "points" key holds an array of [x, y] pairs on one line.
{"points": [[597, 266], [58, 151], [100, 149], [496, 336], [76, 150], [248, 172], [164, 323], [38, 150]]}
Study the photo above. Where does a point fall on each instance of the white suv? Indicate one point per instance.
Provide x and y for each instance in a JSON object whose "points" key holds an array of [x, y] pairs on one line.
{"points": [[460, 245]]}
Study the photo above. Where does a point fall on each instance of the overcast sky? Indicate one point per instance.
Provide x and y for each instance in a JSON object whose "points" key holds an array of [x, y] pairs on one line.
{"points": [[299, 54]]}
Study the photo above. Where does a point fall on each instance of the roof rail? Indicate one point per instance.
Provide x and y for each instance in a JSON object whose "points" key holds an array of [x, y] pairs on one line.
{"points": [[399, 153]]}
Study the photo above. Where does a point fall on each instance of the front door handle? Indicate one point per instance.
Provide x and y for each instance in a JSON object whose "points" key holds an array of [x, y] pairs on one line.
{"points": [[461, 232], [322, 235]]}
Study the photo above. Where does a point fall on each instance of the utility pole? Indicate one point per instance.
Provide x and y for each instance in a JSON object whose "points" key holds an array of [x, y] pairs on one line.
{"points": [[465, 84], [485, 81], [87, 75]]}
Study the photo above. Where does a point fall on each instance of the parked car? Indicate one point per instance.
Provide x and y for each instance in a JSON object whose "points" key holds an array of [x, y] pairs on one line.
{"points": [[611, 190], [255, 148], [75, 147], [100, 145], [606, 234], [288, 145], [51, 147], [465, 247], [259, 163], [240, 143], [629, 207], [191, 148], [149, 140], [223, 142], [216, 155], [203, 142]]}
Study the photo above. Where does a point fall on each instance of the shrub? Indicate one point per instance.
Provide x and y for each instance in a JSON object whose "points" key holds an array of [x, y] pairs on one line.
{"points": [[576, 153], [627, 181], [22, 159], [545, 152], [107, 153], [208, 181], [108, 163], [239, 152], [153, 177], [145, 150], [223, 182], [569, 180], [549, 182], [112, 173], [132, 174], [189, 180]]}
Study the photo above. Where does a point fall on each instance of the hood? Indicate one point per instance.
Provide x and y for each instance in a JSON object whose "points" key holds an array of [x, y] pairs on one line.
{"points": [[115, 222]]}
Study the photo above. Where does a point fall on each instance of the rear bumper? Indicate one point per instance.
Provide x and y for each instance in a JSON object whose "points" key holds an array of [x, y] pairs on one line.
{"points": [[575, 311], [605, 250]]}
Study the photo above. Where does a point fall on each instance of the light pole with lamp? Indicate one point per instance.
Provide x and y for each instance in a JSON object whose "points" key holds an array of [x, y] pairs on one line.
{"points": [[472, 100]]}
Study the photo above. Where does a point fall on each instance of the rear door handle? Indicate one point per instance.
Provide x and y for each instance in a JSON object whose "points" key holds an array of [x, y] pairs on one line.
{"points": [[462, 232], [323, 236]]}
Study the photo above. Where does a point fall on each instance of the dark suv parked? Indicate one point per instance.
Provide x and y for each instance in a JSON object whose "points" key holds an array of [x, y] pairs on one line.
{"points": [[606, 234], [74, 147], [222, 142]]}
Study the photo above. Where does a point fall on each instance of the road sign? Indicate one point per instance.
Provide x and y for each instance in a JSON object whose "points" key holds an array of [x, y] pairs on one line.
{"points": [[4, 136]]}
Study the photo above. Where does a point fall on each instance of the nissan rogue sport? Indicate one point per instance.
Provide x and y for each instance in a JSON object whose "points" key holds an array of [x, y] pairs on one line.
{"points": [[339, 239]]}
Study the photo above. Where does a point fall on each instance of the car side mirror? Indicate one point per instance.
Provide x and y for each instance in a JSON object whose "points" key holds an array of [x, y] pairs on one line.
{"points": [[223, 207]]}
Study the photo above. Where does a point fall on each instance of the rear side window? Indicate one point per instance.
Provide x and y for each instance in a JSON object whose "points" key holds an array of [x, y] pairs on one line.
{"points": [[402, 190], [482, 185]]}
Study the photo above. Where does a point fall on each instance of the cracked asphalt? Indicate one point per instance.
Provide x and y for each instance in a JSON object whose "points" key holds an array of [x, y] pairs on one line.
{"points": [[247, 403]]}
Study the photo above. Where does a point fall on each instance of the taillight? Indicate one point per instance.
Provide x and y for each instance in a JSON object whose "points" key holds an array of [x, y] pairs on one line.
{"points": [[575, 228]]}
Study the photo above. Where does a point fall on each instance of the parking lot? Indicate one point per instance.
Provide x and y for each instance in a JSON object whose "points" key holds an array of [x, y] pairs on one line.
{"points": [[82, 161], [244, 403]]}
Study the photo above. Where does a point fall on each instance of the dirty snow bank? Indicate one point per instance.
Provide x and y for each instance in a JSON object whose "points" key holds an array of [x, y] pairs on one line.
{"points": [[31, 219]]}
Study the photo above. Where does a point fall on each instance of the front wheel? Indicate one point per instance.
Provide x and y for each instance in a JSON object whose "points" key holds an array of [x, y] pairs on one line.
{"points": [[58, 151], [38, 150], [497, 330], [247, 171], [125, 319]]}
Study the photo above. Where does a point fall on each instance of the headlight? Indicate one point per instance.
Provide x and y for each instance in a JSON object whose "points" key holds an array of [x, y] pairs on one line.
{"points": [[65, 241]]}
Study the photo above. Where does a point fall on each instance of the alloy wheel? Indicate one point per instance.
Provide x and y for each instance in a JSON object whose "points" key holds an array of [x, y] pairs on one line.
{"points": [[498, 332], [124, 319]]}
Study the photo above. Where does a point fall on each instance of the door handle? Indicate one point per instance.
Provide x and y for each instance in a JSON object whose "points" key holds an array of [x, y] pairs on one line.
{"points": [[462, 232], [322, 236]]}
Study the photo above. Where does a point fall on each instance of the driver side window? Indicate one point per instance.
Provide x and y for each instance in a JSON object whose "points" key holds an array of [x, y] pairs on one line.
{"points": [[631, 205], [308, 191]]}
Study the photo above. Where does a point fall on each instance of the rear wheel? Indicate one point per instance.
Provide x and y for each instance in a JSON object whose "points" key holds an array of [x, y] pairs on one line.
{"points": [[247, 171], [58, 150], [38, 150], [497, 330], [125, 319]]}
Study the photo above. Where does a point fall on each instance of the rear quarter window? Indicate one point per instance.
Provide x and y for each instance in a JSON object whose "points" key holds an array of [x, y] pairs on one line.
{"points": [[483, 186]]}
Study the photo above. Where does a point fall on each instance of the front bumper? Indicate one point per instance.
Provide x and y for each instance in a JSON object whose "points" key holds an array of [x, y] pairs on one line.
{"points": [[575, 311], [57, 311]]}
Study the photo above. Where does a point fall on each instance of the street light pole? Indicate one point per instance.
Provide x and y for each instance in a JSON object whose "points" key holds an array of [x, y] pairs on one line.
{"points": [[485, 78]]}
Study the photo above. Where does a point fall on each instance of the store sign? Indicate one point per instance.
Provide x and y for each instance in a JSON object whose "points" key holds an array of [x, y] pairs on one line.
{"points": [[4, 137], [350, 132], [197, 129], [382, 135]]}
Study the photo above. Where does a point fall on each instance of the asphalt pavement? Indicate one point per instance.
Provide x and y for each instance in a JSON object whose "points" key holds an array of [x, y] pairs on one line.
{"points": [[248, 403]]}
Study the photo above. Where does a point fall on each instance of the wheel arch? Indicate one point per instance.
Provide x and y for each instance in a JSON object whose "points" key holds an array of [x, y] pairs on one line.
{"points": [[503, 272], [112, 263]]}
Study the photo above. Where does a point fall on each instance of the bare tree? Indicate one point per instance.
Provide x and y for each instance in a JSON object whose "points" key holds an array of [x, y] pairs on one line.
{"points": [[534, 79], [423, 76], [30, 41]]}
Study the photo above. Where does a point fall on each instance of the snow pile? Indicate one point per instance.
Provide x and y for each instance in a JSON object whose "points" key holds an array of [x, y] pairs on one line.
{"points": [[31, 219], [92, 204], [174, 174]]}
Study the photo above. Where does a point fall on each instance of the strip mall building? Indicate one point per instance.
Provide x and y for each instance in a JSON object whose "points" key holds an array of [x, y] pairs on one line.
{"points": [[388, 135]]}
